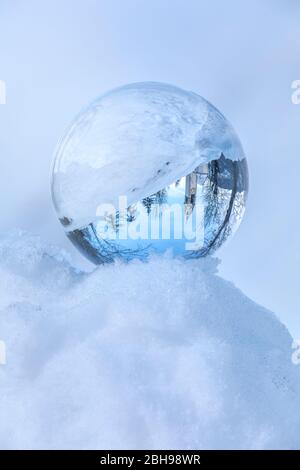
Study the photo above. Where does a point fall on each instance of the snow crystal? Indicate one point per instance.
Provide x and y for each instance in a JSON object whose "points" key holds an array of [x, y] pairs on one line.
{"points": [[164, 354]]}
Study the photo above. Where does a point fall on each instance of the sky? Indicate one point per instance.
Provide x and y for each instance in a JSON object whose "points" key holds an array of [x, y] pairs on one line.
{"points": [[57, 56]]}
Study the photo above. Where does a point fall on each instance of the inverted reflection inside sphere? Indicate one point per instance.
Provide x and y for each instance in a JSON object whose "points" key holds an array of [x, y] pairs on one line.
{"points": [[148, 168]]}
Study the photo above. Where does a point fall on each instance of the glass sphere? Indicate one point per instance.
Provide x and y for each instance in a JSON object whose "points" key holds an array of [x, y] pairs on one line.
{"points": [[147, 168]]}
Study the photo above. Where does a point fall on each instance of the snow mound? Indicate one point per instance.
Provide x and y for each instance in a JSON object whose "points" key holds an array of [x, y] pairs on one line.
{"points": [[164, 354]]}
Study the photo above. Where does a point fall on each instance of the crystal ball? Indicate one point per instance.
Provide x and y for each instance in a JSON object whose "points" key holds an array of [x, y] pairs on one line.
{"points": [[149, 168]]}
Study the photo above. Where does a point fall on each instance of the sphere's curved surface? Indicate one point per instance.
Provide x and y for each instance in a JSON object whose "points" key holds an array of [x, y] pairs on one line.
{"points": [[146, 168]]}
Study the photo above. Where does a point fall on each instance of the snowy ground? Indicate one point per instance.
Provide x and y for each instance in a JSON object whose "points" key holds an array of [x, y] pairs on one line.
{"points": [[158, 355]]}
